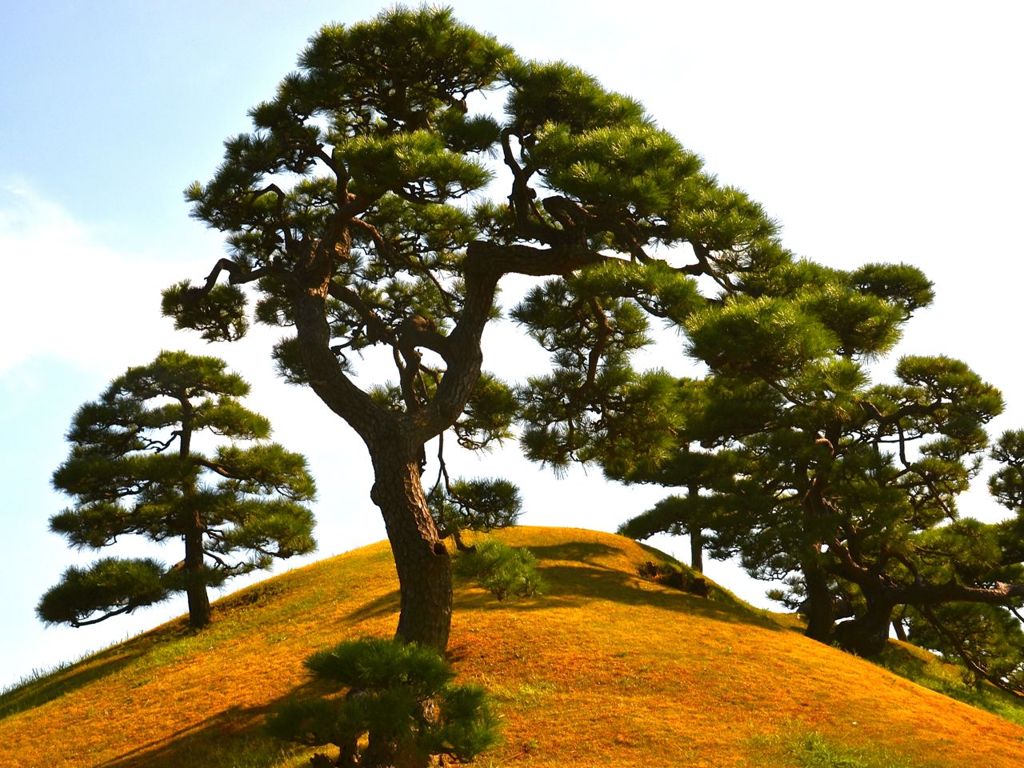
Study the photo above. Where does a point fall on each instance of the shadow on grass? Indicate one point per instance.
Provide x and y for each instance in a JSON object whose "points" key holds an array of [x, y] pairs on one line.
{"points": [[52, 685], [235, 737], [577, 551], [384, 605], [575, 585], [579, 584]]}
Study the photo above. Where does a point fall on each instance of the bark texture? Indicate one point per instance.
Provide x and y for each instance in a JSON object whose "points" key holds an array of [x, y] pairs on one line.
{"points": [[867, 634], [421, 558], [199, 613]]}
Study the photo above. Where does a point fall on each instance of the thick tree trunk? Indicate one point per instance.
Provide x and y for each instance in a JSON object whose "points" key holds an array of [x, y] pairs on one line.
{"points": [[421, 558], [867, 634], [818, 607]]}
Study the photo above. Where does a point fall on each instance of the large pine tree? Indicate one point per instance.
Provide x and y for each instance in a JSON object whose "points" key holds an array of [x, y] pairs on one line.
{"points": [[137, 466], [355, 214]]}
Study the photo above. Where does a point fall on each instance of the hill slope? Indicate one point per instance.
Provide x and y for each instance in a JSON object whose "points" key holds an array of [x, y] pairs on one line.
{"points": [[607, 669]]}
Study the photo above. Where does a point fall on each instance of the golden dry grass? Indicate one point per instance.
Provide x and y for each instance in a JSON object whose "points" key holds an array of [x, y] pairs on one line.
{"points": [[606, 669]]}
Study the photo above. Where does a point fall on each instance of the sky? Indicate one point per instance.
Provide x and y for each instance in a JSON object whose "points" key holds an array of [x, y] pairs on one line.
{"points": [[874, 131]]}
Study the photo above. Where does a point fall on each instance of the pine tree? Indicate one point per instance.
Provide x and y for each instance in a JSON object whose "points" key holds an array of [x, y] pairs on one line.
{"points": [[135, 467], [400, 708], [356, 217], [846, 490]]}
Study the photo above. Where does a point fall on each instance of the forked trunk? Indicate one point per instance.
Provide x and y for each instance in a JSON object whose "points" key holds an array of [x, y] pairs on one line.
{"points": [[867, 634], [421, 558]]}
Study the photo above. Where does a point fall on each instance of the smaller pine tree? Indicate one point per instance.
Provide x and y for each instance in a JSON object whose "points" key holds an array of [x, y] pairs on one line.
{"points": [[474, 505], [134, 469], [502, 570], [399, 708]]}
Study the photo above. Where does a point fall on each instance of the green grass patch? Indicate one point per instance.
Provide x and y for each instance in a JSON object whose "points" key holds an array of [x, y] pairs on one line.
{"points": [[524, 694], [931, 672], [801, 748], [26, 692]]}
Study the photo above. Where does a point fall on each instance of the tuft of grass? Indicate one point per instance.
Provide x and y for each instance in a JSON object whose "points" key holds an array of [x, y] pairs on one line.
{"points": [[803, 748]]}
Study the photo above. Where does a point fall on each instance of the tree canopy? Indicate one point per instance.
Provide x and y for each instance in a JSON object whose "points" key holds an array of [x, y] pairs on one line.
{"points": [[794, 461], [380, 198], [136, 468]]}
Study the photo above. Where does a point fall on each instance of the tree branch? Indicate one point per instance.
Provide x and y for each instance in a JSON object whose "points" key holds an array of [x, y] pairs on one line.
{"points": [[237, 274], [86, 622], [604, 333], [529, 222]]}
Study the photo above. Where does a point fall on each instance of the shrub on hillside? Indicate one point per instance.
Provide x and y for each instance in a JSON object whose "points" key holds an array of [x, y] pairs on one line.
{"points": [[399, 709], [502, 570], [673, 576]]}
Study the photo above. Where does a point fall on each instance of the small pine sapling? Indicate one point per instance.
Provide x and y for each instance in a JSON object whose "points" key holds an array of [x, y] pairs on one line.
{"points": [[399, 708], [502, 570]]}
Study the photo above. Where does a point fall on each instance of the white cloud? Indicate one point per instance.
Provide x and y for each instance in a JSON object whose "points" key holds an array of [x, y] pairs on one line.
{"points": [[68, 297]]}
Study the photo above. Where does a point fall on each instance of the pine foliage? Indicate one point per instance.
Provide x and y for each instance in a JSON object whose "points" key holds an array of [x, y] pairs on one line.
{"points": [[135, 468], [399, 707], [502, 570]]}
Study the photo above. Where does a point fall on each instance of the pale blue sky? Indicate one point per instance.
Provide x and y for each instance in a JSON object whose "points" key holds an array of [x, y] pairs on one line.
{"points": [[871, 131]]}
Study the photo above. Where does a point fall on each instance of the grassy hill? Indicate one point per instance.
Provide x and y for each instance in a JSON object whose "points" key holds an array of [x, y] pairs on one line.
{"points": [[606, 669]]}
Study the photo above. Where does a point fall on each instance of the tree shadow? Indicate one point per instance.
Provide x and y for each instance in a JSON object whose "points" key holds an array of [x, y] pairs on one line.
{"points": [[578, 551], [383, 605], [235, 736], [64, 680], [570, 585], [573, 586], [67, 678]]}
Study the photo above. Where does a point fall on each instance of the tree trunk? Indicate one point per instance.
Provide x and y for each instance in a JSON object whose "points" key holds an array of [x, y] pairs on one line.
{"points": [[697, 548], [867, 634], [695, 531], [195, 583], [421, 558], [198, 598], [818, 607]]}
